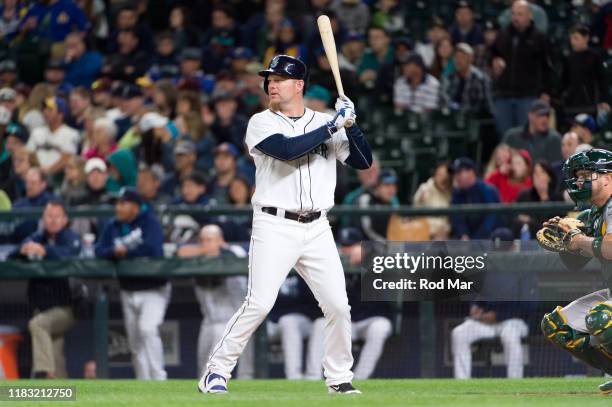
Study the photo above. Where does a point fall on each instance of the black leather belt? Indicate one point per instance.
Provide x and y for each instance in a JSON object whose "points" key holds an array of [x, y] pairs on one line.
{"points": [[302, 218]]}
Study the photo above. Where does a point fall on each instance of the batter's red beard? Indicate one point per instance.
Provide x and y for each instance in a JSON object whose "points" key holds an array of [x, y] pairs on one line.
{"points": [[274, 106]]}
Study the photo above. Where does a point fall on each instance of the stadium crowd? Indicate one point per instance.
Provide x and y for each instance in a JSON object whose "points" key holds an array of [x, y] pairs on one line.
{"points": [[142, 103]]}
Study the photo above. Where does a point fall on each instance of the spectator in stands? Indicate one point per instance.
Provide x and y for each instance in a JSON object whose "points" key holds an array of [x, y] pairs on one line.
{"points": [[122, 170], [569, 145], [55, 76], [436, 193], [415, 90], [80, 108], [194, 192], [543, 190], [22, 160], [375, 226], [354, 15], [149, 183], [50, 298], [183, 33], [101, 93], [218, 297], [8, 73], [12, 142], [371, 321], [190, 70], [518, 178], [486, 321], [290, 323], [521, 68], [318, 98], [102, 140], [74, 187], [286, 42], [237, 228], [252, 96], [483, 53], [11, 16], [537, 137], [464, 29], [378, 53], [127, 19], [500, 160], [55, 143], [135, 232], [191, 127], [469, 189], [130, 61], [165, 64], [583, 86], [8, 106], [185, 158], [584, 126], [389, 14], [54, 20], [30, 112], [444, 62], [82, 65], [352, 51], [540, 18], [223, 21], [229, 125], [154, 140], [131, 108], [226, 156], [96, 175], [321, 74], [468, 89], [435, 33]]}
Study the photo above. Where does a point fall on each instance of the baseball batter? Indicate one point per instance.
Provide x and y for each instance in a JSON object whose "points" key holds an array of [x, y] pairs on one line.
{"points": [[584, 327], [295, 151]]}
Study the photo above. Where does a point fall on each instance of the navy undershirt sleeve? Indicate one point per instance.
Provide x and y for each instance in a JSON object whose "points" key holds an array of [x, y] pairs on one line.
{"points": [[360, 154], [289, 148]]}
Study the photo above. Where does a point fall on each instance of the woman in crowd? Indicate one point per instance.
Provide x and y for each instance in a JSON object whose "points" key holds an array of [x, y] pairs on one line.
{"points": [[436, 193], [517, 179], [543, 190]]}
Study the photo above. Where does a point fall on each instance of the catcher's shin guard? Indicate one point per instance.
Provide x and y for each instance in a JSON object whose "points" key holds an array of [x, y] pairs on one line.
{"points": [[599, 323], [555, 328]]}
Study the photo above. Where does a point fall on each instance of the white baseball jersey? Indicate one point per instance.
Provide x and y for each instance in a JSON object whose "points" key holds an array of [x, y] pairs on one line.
{"points": [[303, 185]]}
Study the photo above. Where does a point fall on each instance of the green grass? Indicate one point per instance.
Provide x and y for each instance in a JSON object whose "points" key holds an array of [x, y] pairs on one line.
{"points": [[573, 392]]}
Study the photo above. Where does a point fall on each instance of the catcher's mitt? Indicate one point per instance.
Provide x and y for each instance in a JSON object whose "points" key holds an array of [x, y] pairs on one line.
{"points": [[558, 233]]}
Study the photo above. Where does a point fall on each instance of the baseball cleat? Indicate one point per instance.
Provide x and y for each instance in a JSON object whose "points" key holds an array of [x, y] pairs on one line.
{"points": [[212, 383], [342, 388], [606, 388]]}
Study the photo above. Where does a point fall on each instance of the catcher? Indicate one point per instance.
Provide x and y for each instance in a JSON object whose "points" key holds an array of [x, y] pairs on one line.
{"points": [[584, 327]]}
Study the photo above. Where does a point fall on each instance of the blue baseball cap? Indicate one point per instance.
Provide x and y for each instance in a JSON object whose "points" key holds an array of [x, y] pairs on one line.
{"points": [[242, 53], [463, 163], [587, 121], [129, 194], [387, 176], [349, 236], [228, 148], [58, 104]]}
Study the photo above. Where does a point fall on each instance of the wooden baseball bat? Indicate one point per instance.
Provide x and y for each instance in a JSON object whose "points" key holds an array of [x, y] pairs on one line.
{"points": [[329, 44]]}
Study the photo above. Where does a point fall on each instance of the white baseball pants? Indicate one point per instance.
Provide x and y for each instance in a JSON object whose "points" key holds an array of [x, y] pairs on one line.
{"points": [[277, 246], [509, 332], [291, 330], [374, 332], [217, 305], [143, 312]]}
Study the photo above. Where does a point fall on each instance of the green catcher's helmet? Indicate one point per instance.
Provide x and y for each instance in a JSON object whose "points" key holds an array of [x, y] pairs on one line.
{"points": [[595, 160]]}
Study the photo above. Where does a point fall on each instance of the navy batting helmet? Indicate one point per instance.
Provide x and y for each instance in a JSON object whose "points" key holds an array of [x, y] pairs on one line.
{"points": [[287, 66]]}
